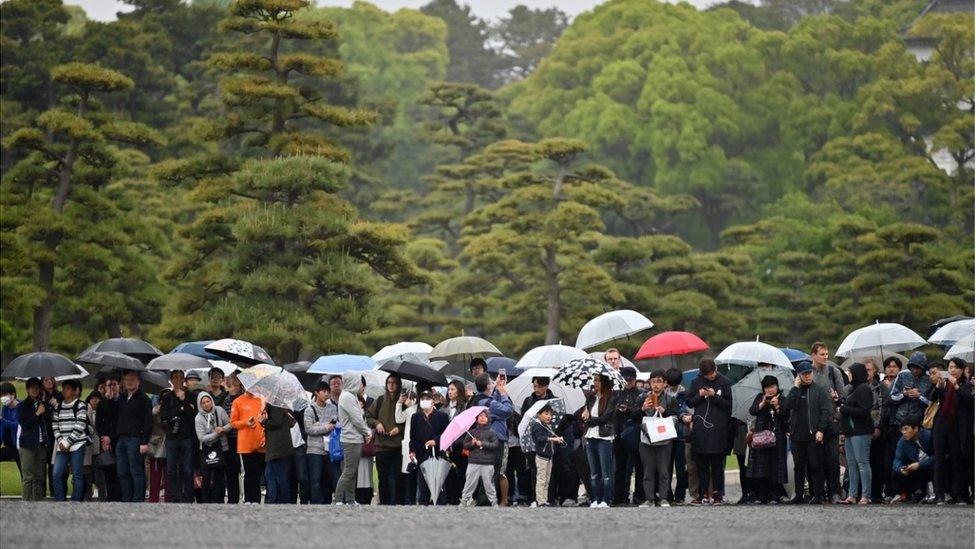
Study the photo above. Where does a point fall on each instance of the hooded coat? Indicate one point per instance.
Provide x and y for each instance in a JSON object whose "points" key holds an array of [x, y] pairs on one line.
{"points": [[855, 411], [205, 422], [351, 414]]}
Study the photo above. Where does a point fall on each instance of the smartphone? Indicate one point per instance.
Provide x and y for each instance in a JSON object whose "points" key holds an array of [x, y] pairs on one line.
{"points": [[502, 374], [403, 392]]}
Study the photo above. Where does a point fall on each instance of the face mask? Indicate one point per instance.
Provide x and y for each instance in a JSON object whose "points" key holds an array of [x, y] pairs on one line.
{"points": [[426, 404], [4, 400]]}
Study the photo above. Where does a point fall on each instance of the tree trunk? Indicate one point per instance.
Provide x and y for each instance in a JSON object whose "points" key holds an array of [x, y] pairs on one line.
{"points": [[552, 297], [42, 313]]}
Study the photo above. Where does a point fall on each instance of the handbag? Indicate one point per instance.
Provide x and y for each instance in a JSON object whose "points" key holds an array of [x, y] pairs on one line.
{"points": [[335, 445], [369, 449], [929, 419], [657, 430], [211, 456], [763, 440]]}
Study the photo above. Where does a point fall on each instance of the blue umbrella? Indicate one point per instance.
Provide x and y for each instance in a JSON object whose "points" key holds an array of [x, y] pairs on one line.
{"points": [[496, 362], [337, 364], [795, 355], [195, 348]]}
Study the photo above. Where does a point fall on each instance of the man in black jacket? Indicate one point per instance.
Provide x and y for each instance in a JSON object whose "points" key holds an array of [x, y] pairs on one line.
{"points": [[711, 397], [626, 459], [810, 410], [177, 411], [132, 430]]}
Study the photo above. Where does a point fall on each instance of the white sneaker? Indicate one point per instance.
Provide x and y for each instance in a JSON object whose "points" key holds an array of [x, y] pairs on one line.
{"points": [[594, 504], [664, 503], [338, 504], [603, 505], [533, 504]]}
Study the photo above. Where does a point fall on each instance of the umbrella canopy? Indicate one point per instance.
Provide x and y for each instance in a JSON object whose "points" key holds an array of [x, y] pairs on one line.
{"points": [[878, 359], [965, 349], [670, 344], [111, 360], [464, 348], [460, 425], [136, 348], [953, 332], [795, 355], [519, 389], [179, 361], [550, 356], [610, 326], [300, 369], [376, 383], [39, 365], [435, 471], [752, 353], [558, 411], [624, 361], [943, 321], [196, 348], [579, 374], [401, 351], [276, 386], [227, 367], [880, 338], [339, 364], [239, 350], [413, 371], [745, 391], [495, 363]]}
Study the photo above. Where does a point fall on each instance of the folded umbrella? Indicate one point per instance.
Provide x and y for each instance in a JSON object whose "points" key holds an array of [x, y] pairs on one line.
{"points": [[340, 364], [550, 356], [179, 361], [275, 386], [879, 337], [435, 471], [421, 373], [579, 374], [611, 326], [402, 351], [460, 425], [519, 389], [40, 364], [135, 348], [953, 332], [525, 436], [240, 351], [745, 391], [751, 354]]}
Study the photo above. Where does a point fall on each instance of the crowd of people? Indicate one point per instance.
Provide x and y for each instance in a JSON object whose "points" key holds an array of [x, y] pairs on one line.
{"points": [[870, 434]]}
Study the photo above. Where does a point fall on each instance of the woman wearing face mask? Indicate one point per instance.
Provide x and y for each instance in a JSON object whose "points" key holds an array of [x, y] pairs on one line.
{"points": [[425, 433]]}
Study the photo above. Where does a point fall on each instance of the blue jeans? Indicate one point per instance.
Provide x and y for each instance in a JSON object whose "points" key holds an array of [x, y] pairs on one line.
{"points": [[316, 474], [298, 475], [131, 467], [179, 469], [77, 461], [276, 477], [599, 454], [680, 469], [858, 451]]}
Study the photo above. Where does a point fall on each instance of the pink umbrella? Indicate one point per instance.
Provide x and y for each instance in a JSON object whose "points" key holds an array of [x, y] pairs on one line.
{"points": [[460, 425]]}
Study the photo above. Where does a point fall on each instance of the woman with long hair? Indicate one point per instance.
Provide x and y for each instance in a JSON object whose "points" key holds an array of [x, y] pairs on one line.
{"points": [[457, 401], [598, 415]]}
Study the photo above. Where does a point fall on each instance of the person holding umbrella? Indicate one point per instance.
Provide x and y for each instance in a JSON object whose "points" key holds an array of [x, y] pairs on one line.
{"points": [[626, 452], [178, 411], [494, 396], [599, 415], [34, 443], [381, 416], [353, 434], [710, 395], [457, 401], [480, 443], [278, 450], [426, 429], [133, 429], [71, 437], [810, 409], [767, 458]]}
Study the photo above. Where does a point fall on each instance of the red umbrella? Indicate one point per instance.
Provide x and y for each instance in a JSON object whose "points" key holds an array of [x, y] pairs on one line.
{"points": [[670, 343]]}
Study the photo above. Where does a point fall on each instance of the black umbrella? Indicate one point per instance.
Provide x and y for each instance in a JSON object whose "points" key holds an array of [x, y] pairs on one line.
{"points": [[150, 380], [943, 321], [237, 350], [39, 365], [111, 359], [135, 348], [414, 371], [300, 369]]}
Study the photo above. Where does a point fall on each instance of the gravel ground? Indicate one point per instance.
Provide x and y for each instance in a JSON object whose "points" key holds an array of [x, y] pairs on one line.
{"points": [[153, 525]]}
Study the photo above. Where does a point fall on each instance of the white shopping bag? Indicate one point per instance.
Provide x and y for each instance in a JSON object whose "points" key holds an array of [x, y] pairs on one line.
{"points": [[656, 429]]}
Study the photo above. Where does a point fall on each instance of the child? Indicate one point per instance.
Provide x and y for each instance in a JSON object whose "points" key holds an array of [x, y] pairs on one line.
{"points": [[481, 460], [543, 437]]}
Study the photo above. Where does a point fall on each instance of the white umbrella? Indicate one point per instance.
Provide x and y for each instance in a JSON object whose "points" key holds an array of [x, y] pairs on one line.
{"points": [[965, 349], [953, 332], [227, 367], [880, 337], [751, 353], [611, 326], [550, 356], [376, 383], [521, 387], [464, 348], [400, 350], [240, 350], [624, 361]]}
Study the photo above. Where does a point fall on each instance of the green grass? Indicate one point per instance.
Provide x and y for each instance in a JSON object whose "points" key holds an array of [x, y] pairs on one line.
{"points": [[9, 479]]}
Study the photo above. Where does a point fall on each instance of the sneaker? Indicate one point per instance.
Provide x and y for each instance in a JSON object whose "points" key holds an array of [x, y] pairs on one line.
{"points": [[695, 502], [338, 504], [594, 505], [603, 505], [900, 498], [665, 504], [533, 504], [716, 501], [569, 503], [645, 504], [798, 500], [543, 504]]}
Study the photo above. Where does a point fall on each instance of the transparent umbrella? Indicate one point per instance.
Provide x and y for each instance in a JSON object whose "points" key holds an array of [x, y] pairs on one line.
{"points": [[275, 386]]}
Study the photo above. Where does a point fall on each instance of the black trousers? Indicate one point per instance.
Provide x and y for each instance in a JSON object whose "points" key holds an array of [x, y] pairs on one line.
{"points": [[948, 474], [517, 473], [806, 464], [912, 482], [830, 463], [212, 487], [711, 472], [253, 469], [388, 473], [626, 463], [879, 471], [232, 474], [113, 489], [890, 434]]}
